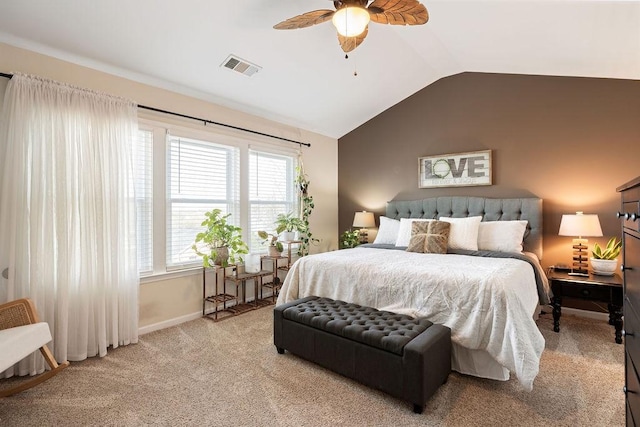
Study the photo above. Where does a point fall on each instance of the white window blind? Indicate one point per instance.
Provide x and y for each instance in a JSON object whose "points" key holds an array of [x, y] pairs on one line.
{"points": [[271, 192], [201, 176], [143, 184]]}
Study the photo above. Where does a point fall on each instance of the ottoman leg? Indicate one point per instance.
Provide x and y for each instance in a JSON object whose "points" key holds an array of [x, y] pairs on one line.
{"points": [[280, 350], [418, 409]]}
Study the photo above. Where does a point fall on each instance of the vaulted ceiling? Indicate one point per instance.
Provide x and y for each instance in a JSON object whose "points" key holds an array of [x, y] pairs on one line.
{"points": [[305, 80]]}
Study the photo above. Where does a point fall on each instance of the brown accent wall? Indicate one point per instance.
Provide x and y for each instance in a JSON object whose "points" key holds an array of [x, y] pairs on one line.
{"points": [[569, 141]]}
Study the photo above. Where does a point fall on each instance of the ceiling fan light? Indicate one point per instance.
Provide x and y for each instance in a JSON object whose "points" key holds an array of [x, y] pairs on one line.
{"points": [[351, 21]]}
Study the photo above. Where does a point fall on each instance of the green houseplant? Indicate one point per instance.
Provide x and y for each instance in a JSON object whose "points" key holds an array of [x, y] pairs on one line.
{"points": [[275, 247], [288, 223], [222, 240], [306, 208], [349, 239], [610, 252], [604, 260]]}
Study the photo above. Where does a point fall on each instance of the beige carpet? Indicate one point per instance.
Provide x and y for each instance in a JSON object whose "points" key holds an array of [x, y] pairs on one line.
{"points": [[229, 374]]}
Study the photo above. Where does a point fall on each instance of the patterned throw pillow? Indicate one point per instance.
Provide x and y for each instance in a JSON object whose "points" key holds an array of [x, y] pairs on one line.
{"points": [[429, 237]]}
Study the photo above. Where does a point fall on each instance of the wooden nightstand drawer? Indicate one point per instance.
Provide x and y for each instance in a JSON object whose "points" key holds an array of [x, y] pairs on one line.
{"points": [[584, 291]]}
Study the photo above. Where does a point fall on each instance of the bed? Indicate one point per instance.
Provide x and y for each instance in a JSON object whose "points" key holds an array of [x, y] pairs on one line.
{"points": [[489, 298]]}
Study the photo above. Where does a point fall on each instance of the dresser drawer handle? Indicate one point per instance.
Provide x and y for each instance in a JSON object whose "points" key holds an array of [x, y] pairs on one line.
{"points": [[623, 268], [627, 334], [618, 214], [626, 390], [634, 216], [627, 215]]}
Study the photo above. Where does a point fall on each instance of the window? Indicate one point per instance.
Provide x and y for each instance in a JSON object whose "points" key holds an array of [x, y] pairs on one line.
{"points": [[184, 172], [271, 192], [201, 176], [143, 184]]}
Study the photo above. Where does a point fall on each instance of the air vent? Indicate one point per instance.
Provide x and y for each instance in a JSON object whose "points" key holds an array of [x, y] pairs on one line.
{"points": [[240, 65]]}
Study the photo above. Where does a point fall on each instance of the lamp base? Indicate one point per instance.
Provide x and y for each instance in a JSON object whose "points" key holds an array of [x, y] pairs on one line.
{"points": [[364, 236], [580, 258], [578, 273]]}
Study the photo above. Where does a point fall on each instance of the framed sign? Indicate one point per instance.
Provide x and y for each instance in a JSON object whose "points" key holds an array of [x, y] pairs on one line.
{"points": [[455, 170]]}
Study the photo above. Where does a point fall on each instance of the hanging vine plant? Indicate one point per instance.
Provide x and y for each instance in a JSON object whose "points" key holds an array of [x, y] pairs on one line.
{"points": [[306, 207]]}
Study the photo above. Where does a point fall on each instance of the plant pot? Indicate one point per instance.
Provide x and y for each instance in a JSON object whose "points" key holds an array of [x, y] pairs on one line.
{"points": [[287, 236], [273, 251], [222, 255], [604, 267], [252, 263]]}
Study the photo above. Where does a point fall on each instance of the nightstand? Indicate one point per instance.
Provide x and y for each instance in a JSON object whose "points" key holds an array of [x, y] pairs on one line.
{"points": [[606, 289]]}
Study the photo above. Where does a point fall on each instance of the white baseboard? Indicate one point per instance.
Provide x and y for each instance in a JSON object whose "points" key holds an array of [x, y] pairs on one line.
{"points": [[181, 319], [585, 313], [169, 323]]}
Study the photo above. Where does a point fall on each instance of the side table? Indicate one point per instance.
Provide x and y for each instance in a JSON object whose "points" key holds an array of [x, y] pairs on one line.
{"points": [[217, 296], [606, 289], [274, 285]]}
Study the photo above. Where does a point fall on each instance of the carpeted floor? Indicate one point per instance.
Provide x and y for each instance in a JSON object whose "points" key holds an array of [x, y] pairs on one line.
{"points": [[229, 374]]}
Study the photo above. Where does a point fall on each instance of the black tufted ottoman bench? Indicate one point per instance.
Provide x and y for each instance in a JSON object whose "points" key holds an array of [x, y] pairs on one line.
{"points": [[406, 357]]}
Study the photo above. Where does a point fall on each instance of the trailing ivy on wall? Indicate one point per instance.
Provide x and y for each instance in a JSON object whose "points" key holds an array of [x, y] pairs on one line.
{"points": [[306, 207]]}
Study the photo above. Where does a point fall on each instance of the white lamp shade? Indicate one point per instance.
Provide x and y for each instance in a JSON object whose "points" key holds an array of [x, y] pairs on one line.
{"points": [[351, 21], [364, 219], [580, 225]]}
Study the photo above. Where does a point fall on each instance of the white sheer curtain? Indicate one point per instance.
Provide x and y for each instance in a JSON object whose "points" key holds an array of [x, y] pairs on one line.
{"points": [[67, 215]]}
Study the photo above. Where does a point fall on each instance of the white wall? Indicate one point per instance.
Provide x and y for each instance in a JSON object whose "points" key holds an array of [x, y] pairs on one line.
{"points": [[166, 300]]}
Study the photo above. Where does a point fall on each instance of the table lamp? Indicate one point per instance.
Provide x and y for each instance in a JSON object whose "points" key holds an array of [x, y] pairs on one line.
{"points": [[580, 225], [364, 220]]}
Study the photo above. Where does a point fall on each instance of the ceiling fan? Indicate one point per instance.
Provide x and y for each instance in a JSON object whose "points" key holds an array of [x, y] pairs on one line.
{"points": [[351, 18]]}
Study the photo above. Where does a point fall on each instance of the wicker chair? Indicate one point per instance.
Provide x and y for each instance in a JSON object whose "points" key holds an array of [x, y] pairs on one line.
{"points": [[21, 333]]}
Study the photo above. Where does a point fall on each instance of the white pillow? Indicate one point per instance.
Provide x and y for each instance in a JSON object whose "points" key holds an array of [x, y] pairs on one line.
{"points": [[503, 236], [464, 232], [404, 234], [388, 231]]}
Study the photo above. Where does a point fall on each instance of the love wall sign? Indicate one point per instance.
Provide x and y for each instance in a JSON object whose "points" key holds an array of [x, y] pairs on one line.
{"points": [[455, 170]]}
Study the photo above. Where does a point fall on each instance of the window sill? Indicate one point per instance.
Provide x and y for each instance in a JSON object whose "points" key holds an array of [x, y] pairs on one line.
{"points": [[157, 277]]}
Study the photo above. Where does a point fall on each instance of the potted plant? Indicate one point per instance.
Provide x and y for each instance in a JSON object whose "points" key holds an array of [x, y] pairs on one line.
{"points": [[287, 225], [275, 247], [223, 241], [349, 239], [604, 261]]}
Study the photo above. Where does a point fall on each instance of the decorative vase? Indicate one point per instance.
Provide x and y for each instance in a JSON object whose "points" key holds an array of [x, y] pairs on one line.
{"points": [[604, 267]]}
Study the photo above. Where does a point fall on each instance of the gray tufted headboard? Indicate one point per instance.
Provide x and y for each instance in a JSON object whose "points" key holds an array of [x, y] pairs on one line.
{"points": [[529, 209]]}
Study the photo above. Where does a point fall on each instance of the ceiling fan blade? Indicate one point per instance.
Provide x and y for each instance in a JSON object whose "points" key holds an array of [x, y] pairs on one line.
{"points": [[305, 20], [398, 12], [349, 43]]}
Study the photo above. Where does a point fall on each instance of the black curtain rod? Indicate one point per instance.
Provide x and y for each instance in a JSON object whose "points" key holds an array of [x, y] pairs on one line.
{"points": [[206, 121]]}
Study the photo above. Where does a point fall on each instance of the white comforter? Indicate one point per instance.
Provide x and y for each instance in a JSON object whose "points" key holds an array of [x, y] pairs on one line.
{"points": [[487, 302]]}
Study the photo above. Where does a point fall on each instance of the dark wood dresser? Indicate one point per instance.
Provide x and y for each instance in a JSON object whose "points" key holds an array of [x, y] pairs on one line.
{"points": [[630, 217]]}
